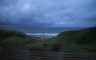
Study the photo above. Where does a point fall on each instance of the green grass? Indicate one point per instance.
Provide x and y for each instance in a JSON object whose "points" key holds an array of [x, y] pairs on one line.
{"points": [[17, 40], [79, 40], [76, 41], [14, 39]]}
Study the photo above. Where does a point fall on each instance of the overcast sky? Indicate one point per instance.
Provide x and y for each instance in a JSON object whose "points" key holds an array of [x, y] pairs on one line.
{"points": [[49, 13]]}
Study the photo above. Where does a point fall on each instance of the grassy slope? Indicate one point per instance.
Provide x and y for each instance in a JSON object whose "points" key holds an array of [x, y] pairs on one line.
{"points": [[17, 40], [79, 40], [71, 41], [14, 39]]}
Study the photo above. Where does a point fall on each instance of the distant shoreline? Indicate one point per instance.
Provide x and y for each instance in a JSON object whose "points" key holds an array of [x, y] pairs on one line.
{"points": [[43, 35]]}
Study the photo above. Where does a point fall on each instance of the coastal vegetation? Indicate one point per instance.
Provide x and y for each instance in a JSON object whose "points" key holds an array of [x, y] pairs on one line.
{"points": [[69, 41], [14, 39], [78, 40]]}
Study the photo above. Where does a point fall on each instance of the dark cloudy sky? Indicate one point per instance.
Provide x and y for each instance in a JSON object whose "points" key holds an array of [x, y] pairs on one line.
{"points": [[49, 13]]}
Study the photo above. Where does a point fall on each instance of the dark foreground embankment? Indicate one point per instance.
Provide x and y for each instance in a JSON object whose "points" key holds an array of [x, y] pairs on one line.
{"points": [[8, 54]]}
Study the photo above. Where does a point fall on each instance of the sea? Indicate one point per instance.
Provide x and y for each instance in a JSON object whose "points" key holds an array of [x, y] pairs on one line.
{"points": [[41, 31]]}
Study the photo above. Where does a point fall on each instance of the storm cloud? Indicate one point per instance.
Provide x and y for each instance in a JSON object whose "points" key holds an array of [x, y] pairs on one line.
{"points": [[49, 13]]}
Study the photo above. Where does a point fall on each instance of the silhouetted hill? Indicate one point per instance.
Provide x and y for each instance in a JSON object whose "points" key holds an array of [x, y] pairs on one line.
{"points": [[79, 40], [10, 39], [14, 39]]}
